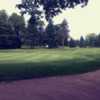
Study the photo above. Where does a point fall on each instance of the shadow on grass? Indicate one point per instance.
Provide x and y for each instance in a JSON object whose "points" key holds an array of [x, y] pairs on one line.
{"points": [[18, 71]]}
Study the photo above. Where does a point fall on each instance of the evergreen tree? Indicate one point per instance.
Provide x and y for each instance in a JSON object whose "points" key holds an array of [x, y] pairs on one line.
{"points": [[82, 42], [97, 44], [5, 31], [64, 32], [72, 43], [91, 40], [17, 23], [35, 31], [50, 30]]}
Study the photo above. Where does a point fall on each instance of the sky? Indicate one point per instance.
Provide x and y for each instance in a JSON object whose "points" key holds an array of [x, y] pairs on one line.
{"points": [[82, 21]]}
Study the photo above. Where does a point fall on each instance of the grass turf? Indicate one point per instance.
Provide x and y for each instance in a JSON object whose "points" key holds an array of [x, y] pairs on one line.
{"points": [[32, 63]]}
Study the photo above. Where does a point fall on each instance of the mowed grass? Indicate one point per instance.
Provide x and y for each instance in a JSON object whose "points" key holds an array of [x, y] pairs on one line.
{"points": [[32, 63]]}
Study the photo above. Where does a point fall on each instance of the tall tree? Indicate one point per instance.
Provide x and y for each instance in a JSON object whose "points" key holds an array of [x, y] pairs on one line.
{"points": [[97, 44], [6, 32], [3, 16], [57, 34], [82, 42], [50, 8], [72, 43], [64, 32], [3, 28], [38, 9], [17, 23], [50, 30], [91, 40], [35, 29]]}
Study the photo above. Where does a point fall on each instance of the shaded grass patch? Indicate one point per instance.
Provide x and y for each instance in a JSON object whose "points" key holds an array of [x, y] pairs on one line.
{"points": [[17, 71]]}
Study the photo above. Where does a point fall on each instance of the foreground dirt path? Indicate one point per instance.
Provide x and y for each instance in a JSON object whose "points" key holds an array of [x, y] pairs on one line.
{"points": [[78, 87]]}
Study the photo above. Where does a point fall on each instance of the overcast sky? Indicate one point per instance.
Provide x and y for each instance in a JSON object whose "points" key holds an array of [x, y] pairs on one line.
{"points": [[82, 21]]}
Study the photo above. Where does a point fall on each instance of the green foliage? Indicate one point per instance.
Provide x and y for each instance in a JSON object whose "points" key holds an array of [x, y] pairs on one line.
{"points": [[72, 43], [17, 21], [10, 26], [3, 17], [50, 9], [91, 40], [82, 42], [50, 30], [20, 64], [98, 40], [63, 33], [35, 32], [57, 35]]}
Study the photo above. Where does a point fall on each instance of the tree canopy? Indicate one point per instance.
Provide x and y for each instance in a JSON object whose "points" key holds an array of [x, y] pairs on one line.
{"points": [[9, 30], [50, 8]]}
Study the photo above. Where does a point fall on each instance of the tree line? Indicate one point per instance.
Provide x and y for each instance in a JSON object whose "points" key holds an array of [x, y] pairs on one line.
{"points": [[14, 33], [91, 40]]}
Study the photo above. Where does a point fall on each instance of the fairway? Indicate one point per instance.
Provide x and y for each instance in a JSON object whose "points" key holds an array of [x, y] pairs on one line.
{"points": [[30, 63]]}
